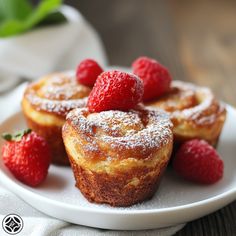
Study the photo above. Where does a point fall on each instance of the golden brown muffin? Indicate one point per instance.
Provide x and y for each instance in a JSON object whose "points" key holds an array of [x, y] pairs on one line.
{"points": [[194, 112], [118, 157], [47, 102]]}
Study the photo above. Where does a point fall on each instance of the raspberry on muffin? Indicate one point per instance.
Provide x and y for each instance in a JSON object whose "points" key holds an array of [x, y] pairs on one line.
{"points": [[115, 90], [156, 78]]}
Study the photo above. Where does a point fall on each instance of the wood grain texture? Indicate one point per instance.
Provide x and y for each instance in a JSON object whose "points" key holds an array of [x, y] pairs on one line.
{"points": [[133, 28], [195, 39], [207, 43]]}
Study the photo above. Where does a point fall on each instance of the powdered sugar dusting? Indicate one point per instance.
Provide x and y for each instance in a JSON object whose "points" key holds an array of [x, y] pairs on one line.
{"points": [[191, 103], [142, 129], [57, 93]]}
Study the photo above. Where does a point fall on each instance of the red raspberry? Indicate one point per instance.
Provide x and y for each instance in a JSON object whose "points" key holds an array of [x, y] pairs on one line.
{"points": [[115, 90], [156, 78], [27, 156], [197, 161], [87, 72]]}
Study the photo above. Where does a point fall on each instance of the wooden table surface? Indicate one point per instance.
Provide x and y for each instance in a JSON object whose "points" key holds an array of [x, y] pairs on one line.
{"points": [[195, 39]]}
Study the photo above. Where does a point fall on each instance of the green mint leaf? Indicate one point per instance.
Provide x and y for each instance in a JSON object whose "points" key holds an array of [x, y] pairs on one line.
{"points": [[11, 27], [15, 9], [46, 10], [42, 11], [53, 18]]}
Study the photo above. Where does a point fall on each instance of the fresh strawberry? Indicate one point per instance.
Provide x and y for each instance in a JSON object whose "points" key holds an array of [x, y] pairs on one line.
{"points": [[27, 156], [198, 161], [115, 90], [87, 72], [156, 78]]}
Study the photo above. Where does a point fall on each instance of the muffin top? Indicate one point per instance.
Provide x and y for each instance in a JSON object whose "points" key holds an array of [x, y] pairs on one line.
{"points": [[57, 93], [136, 133], [186, 101]]}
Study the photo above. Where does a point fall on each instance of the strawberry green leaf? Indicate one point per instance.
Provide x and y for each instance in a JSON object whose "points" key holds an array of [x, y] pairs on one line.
{"points": [[7, 136], [17, 136]]}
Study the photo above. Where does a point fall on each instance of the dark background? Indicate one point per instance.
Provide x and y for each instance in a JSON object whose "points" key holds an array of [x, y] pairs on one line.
{"points": [[195, 39]]}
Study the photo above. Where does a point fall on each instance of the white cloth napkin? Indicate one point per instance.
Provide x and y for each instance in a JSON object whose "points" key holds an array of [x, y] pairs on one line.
{"points": [[48, 49], [39, 224]]}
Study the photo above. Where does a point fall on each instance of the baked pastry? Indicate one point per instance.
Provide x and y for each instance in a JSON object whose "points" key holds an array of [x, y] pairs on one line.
{"points": [[45, 105], [118, 157], [194, 111]]}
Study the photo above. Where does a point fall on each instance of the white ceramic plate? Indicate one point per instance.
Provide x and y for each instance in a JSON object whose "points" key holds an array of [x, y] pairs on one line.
{"points": [[176, 201]]}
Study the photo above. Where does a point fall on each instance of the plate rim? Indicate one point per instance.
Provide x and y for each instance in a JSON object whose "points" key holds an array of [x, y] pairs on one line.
{"points": [[4, 179]]}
